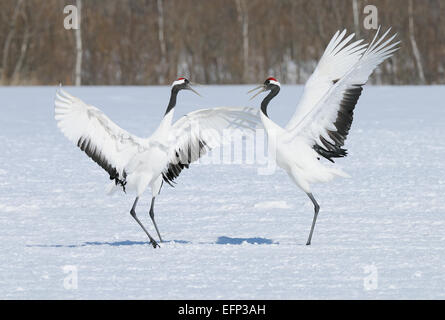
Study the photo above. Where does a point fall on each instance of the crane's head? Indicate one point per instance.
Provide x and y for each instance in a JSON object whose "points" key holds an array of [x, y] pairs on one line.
{"points": [[183, 84], [271, 84]]}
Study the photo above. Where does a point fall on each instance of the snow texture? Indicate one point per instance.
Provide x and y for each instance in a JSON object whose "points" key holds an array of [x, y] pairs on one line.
{"points": [[230, 233]]}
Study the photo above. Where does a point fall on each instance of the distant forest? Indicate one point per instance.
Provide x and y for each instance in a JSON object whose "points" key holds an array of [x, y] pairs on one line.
{"points": [[149, 42]]}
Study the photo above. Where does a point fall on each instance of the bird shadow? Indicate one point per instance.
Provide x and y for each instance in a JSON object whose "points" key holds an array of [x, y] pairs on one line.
{"points": [[238, 241], [103, 243], [220, 240]]}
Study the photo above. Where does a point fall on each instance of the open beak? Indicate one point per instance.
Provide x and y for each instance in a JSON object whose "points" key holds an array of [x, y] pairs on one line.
{"points": [[189, 87], [261, 88]]}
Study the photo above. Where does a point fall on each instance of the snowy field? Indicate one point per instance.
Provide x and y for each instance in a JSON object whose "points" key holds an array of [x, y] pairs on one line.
{"points": [[230, 233]]}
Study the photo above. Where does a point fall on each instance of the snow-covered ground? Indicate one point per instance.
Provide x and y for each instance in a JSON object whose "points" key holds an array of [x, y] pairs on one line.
{"points": [[230, 232]]}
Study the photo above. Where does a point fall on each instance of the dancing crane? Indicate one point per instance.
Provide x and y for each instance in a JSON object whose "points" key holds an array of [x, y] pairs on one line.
{"points": [[135, 163], [324, 114]]}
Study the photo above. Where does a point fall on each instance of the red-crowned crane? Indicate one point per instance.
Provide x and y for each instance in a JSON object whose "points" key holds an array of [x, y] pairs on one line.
{"points": [[324, 114], [135, 163]]}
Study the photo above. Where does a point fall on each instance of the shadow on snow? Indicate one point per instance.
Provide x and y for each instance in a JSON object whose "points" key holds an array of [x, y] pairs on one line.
{"points": [[228, 240], [103, 243], [221, 240]]}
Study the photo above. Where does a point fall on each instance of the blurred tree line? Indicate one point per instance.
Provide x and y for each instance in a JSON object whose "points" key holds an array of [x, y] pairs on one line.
{"points": [[138, 42]]}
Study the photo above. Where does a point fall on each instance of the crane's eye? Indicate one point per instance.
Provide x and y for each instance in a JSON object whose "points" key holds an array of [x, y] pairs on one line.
{"points": [[267, 82]]}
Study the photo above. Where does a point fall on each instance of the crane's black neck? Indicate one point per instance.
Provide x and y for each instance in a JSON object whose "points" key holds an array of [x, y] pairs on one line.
{"points": [[269, 97], [172, 102]]}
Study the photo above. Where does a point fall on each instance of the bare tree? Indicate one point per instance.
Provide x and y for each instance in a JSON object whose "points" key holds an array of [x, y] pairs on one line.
{"points": [[78, 68], [243, 19], [412, 38], [23, 50], [9, 37], [356, 15], [133, 42], [162, 45]]}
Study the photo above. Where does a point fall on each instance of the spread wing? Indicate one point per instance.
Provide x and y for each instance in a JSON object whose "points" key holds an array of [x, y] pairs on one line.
{"points": [[338, 58], [94, 133], [199, 131], [326, 123]]}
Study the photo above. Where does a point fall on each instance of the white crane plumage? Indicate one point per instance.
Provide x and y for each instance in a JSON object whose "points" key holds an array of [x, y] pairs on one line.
{"points": [[135, 163], [324, 114]]}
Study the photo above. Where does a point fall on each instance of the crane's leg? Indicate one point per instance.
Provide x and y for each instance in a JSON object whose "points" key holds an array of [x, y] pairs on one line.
{"points": [[133, 214], [152, 216], [316, 210], [156, 187]]}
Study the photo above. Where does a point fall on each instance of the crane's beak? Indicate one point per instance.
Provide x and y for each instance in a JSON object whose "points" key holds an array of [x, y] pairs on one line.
{"points": [[189, 87], [262, 89]]}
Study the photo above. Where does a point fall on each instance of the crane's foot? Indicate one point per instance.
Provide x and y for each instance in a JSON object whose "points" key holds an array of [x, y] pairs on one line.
{"points": [[154, 244]]}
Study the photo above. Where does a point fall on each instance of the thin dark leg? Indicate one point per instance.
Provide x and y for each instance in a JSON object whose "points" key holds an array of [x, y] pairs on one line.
{"points": [[152, 216], [133, 214], [316, 210]]}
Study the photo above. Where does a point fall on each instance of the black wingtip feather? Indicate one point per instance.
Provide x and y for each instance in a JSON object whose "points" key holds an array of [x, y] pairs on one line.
{"points": [[174, 169], [87, 146], [343, 124]]}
